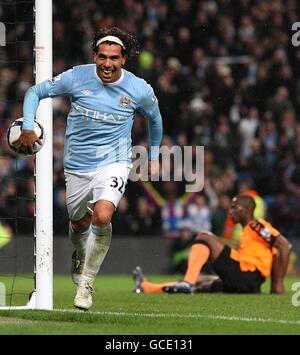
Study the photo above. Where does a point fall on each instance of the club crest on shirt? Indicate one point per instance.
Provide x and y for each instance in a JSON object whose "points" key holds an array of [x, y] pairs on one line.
{"points": [[266, 233], [125, 101]]}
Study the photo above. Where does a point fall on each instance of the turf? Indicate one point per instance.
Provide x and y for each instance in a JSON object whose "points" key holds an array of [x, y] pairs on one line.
{"points": [[117, 310]]}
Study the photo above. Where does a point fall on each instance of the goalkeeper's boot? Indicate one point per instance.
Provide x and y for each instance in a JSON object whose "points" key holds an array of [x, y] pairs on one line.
{"points": [[83, 299], [180, 287], [77, 267], [138, 279]]}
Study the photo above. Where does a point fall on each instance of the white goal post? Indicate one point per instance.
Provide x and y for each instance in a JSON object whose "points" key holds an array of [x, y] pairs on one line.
{"points": [[42, 296], [44, 166]]}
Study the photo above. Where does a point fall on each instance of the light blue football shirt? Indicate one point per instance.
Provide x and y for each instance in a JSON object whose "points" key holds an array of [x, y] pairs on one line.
{"points": [[101, 116]]}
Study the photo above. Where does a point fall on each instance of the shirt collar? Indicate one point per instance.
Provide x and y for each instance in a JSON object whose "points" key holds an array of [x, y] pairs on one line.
{"points": [[115, 82]]}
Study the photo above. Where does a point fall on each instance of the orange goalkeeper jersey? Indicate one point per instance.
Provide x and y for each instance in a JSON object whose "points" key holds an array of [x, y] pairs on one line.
{"points": [[256, 248]]}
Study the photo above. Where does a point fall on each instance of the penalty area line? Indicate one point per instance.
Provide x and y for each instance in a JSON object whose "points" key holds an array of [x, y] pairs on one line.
{"points": [[186, 316]]}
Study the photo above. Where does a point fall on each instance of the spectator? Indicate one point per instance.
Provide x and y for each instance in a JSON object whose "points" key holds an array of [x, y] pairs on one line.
{"points": [[199, 214], [123, 219], [247, 129], [146, 219]]}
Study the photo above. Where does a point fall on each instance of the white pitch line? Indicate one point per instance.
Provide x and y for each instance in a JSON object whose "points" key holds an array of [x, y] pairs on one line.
{"points": [[178, 315]]}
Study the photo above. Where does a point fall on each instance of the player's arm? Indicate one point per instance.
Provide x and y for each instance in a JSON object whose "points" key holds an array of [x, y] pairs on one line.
{"points": [[150, 109], [58, 86], [155, 133], [27, 139], [280, 264]]}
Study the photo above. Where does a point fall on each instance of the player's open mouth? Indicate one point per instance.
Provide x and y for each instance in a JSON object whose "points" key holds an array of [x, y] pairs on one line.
{"points": [[107, 72]]}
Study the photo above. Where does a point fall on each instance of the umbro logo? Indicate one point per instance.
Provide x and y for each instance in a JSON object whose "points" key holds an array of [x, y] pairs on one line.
{"points": [[86, 92]]}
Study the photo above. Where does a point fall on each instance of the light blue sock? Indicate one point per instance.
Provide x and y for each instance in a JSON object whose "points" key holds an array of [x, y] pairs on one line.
{"points": [[79, 240], [97, 247]]}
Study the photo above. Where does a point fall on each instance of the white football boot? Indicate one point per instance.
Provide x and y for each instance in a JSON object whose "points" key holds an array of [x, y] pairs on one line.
{"points": [[83, 299]]}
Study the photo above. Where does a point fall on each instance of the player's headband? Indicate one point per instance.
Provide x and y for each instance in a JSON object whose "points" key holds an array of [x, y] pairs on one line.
{"points": [[113, 39]]}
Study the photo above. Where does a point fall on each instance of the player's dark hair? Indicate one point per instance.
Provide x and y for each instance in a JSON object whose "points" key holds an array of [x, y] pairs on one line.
{"points": [[247, 201], [130, 42]]}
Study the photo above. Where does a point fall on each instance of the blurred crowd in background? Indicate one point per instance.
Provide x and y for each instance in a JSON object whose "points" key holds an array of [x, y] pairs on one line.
{"points": [[227, 78]]}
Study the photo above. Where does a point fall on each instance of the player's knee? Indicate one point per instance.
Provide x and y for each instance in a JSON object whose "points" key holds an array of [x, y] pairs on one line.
{"points": [[204, 236], [79, 227], [101, 219]]}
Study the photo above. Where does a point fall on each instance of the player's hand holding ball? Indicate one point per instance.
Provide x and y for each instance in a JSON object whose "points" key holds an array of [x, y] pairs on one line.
{"points": [[25, 142]]}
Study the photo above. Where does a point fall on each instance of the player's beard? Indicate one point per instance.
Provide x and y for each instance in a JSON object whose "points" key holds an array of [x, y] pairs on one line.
{"points": [[233, 217]]}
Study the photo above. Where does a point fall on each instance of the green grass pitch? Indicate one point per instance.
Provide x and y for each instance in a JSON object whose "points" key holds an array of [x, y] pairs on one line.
{"points": [[117, 310]]}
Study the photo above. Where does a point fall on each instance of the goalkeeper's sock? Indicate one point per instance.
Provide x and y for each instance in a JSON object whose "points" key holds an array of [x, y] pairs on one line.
{"points": [[79, 240], [149, 287], [198, 256], [97, 247]]}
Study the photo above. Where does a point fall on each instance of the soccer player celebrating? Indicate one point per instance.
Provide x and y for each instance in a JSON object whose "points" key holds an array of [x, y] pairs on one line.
{"points": [[97, 153], [263, 252]]}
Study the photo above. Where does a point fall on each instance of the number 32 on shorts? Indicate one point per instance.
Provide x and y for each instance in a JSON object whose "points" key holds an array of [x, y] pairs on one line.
{"points": [[118, 183]]}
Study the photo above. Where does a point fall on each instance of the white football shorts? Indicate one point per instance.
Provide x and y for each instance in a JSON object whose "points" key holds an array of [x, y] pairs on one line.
{"points": [[83, 190]]}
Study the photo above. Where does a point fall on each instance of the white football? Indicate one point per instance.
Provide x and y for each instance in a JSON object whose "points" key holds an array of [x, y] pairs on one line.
{"points": [[14, 132]]}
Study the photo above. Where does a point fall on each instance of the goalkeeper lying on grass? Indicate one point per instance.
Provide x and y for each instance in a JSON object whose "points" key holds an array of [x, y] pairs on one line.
{"points": [[263, 251]]}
